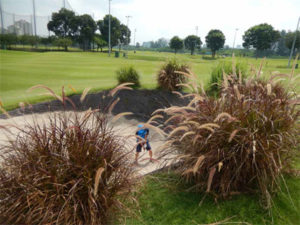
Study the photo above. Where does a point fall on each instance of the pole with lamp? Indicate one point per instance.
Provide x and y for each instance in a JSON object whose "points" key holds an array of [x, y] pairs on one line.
{"points": [[109, 29], [134, 37], [128, 17], [1, 15], [236, 30], [34, 21], [294, 42]]}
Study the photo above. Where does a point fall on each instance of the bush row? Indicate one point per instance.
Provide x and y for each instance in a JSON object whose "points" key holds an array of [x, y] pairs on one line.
{"points": [[8, 40], [173, 75], [169, 77]]}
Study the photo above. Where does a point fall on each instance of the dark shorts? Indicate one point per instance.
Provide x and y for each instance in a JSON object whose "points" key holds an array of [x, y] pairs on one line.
{"points": [[139, 147]]}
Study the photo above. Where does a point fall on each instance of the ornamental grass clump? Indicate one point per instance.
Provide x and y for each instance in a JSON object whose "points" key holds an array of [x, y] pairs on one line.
{"points": [[217, 74], [128, 74], [244, 141], [70, 169], [170, 76]]}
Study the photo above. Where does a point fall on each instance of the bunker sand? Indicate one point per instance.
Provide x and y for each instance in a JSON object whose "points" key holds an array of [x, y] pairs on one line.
{"points": [[122, 127]]}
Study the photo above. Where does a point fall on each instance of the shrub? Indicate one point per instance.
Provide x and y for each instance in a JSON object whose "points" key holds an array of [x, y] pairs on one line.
{"points": [[243, 141], [217, 74], [8, 40], [129, 74], [168, 77], [71, 170], [63, 42]]}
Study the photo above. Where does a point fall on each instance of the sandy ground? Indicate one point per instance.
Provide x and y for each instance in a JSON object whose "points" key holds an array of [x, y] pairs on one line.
{"points": [[122, 127]]}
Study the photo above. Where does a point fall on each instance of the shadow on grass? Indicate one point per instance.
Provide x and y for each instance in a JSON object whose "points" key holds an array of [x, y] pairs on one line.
{"points": [[165, 201]]}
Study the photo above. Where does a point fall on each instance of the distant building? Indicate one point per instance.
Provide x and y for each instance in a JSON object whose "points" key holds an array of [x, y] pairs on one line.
{"points": [[20, 27], [12, 29], [147, 44]]}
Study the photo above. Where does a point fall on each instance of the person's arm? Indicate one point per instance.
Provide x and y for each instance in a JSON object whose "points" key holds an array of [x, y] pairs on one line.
{"points": [[146, 136]]}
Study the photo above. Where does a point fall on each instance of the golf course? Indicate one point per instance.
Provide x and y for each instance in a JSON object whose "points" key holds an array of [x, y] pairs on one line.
{"points": [[79, 70], [135, 112], [163, 197]]}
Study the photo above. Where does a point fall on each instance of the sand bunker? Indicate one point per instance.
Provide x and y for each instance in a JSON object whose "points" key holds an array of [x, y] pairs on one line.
{"points": [[122, 127]]}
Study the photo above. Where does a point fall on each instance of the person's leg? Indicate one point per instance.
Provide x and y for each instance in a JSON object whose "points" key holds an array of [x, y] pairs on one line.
{"points": [[150, 155], [136, 156], [148, 147], [138, 150]]}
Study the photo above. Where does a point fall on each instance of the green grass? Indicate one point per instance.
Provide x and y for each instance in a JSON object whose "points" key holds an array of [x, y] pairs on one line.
{"points": [[160, 202], [21, 70], [163, 201]]}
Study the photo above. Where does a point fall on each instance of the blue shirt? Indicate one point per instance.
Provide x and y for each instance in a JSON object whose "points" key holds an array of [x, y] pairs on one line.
{"points": [[142, 133]]}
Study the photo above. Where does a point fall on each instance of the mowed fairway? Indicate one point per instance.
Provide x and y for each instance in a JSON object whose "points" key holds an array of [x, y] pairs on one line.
{"points": [[22, 70]]}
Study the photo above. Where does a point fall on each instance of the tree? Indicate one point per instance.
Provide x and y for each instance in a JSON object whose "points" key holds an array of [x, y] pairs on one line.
{"points": [[23, 39], [261, 37], [7, 40], [176, 43], [125, 34], [281, 48], [115, 29], [138, 45], [290, 39], [64, 23], [153, 44], [86, 28], [32, 40], [63, 42], [162, 43], [100, 42], [28, 40], [192, 42], [215, 40], [45, 41]]}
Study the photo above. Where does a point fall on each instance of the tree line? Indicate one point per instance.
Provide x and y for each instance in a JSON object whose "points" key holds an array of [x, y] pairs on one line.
{"points": [[261, 38], [215, 40], [70, 28], [83, 31]]}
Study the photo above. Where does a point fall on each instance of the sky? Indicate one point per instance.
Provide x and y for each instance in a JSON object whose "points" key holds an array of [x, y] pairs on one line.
{"points": [[154, 19]]}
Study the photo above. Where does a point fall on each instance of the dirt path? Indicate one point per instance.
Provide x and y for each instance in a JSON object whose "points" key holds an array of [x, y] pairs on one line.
{"points": [[122, 127]]}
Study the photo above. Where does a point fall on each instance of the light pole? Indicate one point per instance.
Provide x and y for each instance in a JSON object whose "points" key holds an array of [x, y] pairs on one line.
{"points": [[109, 29], [236, 29], [48, 29], [128, 17], [197, 30], [293, 46], [2, 22], [34, 16], [34, 21], [14, 22], [134, 37], [64, 4]]}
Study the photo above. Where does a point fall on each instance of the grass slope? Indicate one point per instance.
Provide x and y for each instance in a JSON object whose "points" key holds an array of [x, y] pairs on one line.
{"points": [[21, 70], [163, 201]]}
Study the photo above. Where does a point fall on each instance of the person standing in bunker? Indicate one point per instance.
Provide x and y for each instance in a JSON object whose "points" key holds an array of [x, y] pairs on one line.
{"points": [[142, 139]]}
